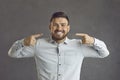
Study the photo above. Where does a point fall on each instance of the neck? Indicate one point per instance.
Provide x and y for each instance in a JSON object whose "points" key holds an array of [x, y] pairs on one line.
{"points": [[60, 41]]}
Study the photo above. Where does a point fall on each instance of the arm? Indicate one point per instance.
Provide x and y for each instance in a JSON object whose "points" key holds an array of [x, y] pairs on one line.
{"points": [[19, 50], [24, 48], [92, 47], [97, 50]]}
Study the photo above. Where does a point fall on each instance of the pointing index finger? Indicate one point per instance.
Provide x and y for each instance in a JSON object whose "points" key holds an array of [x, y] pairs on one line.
{"points": [[80, 34], [37, 35]]}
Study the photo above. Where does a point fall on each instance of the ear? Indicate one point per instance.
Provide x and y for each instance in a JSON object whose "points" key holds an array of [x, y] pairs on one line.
{"points": [[49, 26], [68, 28]]}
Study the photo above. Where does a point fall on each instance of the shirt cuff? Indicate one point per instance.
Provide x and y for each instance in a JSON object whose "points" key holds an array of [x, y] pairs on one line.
{"points": [[22, 43], [98, 43]]}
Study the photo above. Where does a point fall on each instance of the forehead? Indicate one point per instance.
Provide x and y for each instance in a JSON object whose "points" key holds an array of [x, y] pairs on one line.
{"points": [[59, 20]]}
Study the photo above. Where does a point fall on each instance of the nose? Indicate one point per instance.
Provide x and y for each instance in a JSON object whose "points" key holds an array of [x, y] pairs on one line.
{"points": [[59, 27]]}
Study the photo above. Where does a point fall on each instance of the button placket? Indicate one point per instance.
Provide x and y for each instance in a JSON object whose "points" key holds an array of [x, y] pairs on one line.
{"points": [[59, 64]]}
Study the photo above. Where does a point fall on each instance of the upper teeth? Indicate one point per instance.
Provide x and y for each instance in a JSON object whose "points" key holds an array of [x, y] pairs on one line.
{"points": [[59, 32]]}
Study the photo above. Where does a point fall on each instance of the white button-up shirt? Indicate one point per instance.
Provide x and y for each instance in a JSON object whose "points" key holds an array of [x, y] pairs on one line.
{"points": [[59, 61]]}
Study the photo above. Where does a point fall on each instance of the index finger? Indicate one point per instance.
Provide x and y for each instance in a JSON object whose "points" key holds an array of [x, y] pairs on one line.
{"points": [[37, 35], [80, 34]]}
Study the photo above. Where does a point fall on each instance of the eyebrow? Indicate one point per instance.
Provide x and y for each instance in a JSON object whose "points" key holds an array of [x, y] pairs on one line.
{"points": [[60, 23]]}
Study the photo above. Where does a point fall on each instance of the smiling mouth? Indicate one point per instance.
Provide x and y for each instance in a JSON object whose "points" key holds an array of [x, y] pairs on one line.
{"points": [[59, 33]]}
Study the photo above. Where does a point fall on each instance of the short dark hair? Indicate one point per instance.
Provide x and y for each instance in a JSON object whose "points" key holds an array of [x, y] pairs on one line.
{"points": [[59, 14]]}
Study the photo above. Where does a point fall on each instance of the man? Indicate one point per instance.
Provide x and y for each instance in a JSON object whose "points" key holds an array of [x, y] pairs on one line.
{"points": [[58, 57]]}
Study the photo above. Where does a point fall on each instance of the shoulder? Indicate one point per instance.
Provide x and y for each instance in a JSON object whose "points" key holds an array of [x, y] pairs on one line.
{"points": [[42, 41], [74, 41]]}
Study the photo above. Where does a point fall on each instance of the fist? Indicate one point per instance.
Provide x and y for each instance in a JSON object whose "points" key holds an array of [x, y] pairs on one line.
{"points": [[86, 39], [31, 40]]}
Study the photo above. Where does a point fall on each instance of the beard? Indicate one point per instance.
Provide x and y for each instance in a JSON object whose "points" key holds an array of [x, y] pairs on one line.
{"points": [[56, 36]]}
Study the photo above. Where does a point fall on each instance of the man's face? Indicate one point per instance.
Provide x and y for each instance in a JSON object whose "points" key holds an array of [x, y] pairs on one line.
{"points": [[59, 28]]}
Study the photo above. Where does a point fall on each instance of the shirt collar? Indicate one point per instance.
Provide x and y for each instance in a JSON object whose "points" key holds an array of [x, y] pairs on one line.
{"points": [[52, 41]]}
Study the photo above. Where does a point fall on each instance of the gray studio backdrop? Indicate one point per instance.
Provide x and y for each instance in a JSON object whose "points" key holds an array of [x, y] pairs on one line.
{"points": [[98, 18]]}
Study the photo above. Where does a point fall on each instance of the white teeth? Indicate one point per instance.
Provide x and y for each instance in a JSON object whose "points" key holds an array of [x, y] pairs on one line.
{"points": [[59, 33]]}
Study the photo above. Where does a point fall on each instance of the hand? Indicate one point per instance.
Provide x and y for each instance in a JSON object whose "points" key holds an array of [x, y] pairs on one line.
{"points": [[86, 39], [31, 40]]}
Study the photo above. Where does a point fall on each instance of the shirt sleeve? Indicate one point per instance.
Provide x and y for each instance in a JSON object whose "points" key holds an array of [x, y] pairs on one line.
{"points": [[19, 50], [97, 50]]}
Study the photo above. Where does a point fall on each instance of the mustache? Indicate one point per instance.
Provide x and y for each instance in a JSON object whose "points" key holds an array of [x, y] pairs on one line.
{"points": [[60, 31]]}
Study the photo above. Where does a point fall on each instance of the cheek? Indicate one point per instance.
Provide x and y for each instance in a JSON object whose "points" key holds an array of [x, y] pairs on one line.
{"points": [[52, 30], [67, 30]]}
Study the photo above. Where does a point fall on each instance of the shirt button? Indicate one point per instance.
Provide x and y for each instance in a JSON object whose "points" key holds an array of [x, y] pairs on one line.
{"points": [[59, 64], [59, 74]]}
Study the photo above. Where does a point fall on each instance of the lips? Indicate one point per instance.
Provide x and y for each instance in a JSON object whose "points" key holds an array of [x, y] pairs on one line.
{"points": [[59, 35]]}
